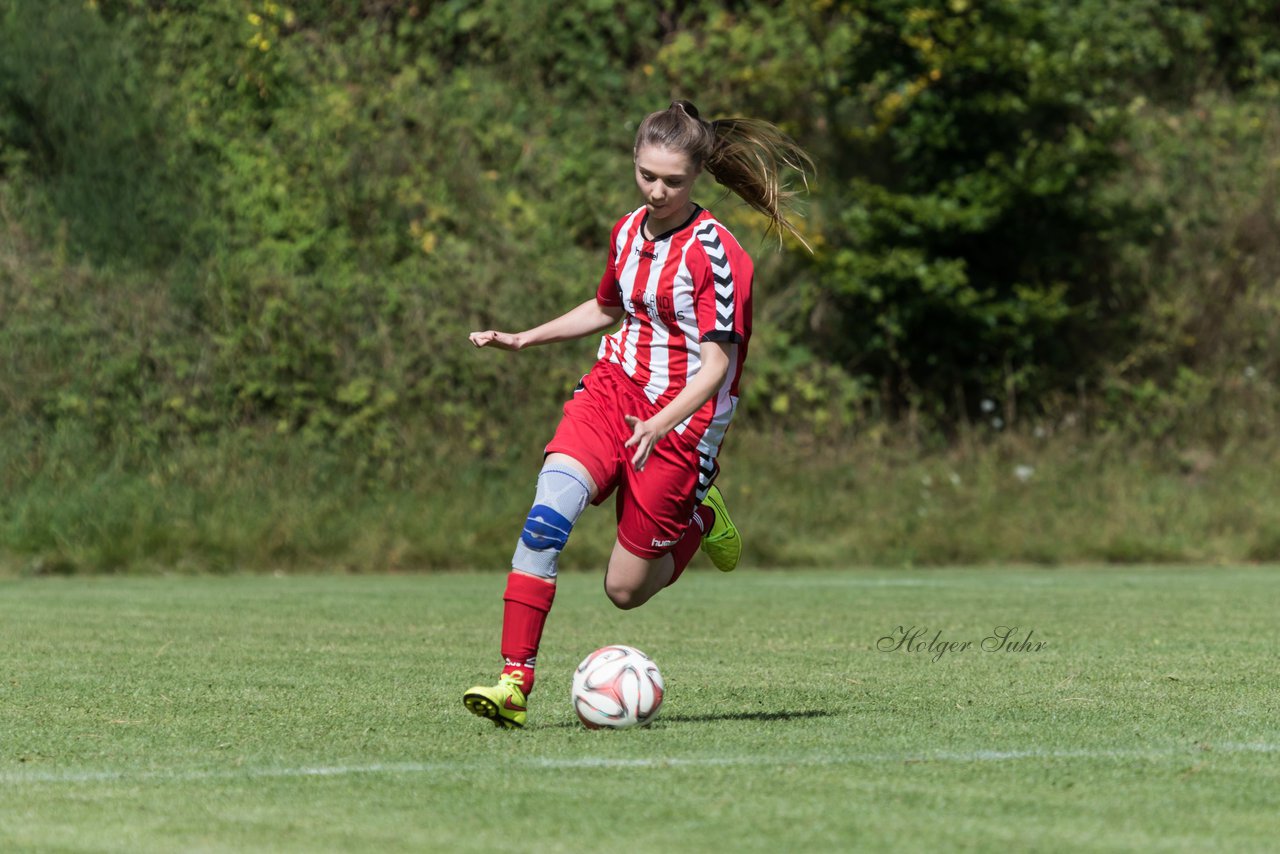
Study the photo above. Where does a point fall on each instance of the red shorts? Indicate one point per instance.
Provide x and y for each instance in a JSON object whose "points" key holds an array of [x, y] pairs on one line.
{"points": [[654, 506]]}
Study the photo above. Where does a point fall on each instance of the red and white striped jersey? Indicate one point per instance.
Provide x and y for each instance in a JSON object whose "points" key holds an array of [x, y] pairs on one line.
{"points": [[690, 285]]}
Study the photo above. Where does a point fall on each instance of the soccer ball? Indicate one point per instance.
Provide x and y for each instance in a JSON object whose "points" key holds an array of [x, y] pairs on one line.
{"points": [[617, 687]]}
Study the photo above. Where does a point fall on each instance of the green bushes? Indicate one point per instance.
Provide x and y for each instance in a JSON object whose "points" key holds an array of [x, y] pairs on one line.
{"points": [[330, 199], [1202, 362], [226, 222], [77, 123], [974, 203]]}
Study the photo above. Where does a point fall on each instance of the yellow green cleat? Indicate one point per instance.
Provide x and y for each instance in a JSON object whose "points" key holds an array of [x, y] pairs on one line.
{"points": [[722, 543], [505, 703]]}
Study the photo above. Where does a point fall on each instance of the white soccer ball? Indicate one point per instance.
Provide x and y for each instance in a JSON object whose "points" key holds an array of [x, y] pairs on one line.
{"points": [[617, 687]]}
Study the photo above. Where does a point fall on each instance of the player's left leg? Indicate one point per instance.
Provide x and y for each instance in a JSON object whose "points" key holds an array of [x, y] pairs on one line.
{"points": [[631, 580], [665, 513], [720, 538]]}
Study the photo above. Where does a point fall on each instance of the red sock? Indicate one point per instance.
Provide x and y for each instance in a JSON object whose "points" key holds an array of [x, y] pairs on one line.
{"points": [[528, 601], [703, 518]]}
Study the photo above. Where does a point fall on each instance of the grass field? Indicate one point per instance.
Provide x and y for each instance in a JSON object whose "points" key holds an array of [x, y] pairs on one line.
{"points": [[323, 713]]}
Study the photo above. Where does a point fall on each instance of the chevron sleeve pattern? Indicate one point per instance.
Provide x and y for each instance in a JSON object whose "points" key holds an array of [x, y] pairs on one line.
{"points": [[722, 296]]}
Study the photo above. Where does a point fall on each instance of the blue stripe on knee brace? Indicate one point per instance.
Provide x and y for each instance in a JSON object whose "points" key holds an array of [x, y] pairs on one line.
{"points": [[545, 529], [561, 498]]}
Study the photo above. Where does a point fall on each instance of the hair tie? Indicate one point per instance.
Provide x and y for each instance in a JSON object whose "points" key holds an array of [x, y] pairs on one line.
{"points": [[690, 110]]}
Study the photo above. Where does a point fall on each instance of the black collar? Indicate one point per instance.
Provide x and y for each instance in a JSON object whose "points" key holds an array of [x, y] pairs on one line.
{"points": [[697, 209]]}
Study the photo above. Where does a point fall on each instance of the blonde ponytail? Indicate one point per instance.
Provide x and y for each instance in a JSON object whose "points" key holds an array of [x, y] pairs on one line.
{"points": [[747, 156]]}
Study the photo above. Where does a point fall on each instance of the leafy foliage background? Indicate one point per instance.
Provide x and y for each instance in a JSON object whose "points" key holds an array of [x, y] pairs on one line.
{"points": [[238, 217]]}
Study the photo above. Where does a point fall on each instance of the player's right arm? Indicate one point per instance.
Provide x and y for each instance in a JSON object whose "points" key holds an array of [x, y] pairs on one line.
{"points": [[586, 319], [594, 315]]}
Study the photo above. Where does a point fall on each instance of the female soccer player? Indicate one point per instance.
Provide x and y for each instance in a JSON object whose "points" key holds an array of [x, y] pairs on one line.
{"points": [[648, 420]]}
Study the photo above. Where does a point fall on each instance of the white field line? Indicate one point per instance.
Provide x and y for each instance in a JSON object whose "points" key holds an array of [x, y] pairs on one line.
{"points": [[845, 581], [1031, 577], [74, 776]]}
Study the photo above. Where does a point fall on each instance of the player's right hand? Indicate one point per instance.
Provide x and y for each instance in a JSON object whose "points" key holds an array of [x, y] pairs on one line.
{"points": [[493, 338]]}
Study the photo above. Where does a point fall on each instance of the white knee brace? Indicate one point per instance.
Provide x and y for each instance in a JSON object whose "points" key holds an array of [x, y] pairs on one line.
{"points": [[561, 497]]}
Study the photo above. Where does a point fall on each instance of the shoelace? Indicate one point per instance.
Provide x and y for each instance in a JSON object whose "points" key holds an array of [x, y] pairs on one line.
{"points": [[514, 679]]}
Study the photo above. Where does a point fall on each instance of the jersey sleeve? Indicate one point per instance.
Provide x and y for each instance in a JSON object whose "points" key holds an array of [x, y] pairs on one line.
{"points": [[608, 292], [721, 288]]}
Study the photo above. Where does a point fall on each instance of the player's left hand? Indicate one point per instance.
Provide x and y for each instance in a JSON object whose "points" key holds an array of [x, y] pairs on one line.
{"points": [[643, 437]]}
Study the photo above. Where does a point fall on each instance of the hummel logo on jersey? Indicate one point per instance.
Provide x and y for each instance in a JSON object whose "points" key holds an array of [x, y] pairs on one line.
{"points": [[645, 253]]}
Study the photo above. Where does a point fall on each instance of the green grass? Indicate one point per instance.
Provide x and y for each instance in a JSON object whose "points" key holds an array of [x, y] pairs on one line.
{"points": [[245, 504], [323, 713]]}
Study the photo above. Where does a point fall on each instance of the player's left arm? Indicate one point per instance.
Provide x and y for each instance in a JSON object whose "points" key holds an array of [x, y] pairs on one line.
{"points": [[715, 356]]}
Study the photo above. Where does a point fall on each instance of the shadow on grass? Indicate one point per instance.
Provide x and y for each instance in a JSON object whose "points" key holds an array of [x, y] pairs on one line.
{"points": [[747, 716], [730, 716]]}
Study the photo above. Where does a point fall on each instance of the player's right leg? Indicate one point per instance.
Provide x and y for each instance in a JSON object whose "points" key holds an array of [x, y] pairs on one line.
{"points": [[564, 490]]}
